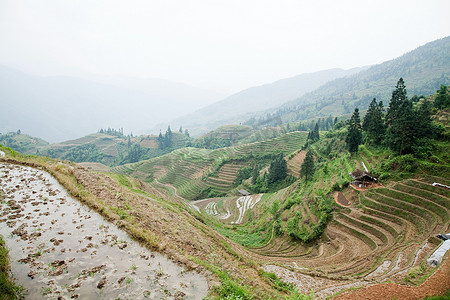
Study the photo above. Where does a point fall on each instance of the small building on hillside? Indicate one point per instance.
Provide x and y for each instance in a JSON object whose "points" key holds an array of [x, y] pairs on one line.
{"points": [[362, 179], [244, 193]]}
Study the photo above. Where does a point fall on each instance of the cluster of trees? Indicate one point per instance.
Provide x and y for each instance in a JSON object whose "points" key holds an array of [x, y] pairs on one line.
{"points": [[275, 177], [169, 141], [112, 131], [405, 127], [277, 169], [243, 174], [443, 98], [165, 141], [313, 135], [83, 153], [186, 132], [324, 124]]}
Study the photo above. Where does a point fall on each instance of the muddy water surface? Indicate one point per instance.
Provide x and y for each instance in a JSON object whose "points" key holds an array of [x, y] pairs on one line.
{"points": [[61, 249]]}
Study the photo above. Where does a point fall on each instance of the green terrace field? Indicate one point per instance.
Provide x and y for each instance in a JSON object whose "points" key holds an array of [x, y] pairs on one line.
{"points": [[385, 232], [201, 173]]}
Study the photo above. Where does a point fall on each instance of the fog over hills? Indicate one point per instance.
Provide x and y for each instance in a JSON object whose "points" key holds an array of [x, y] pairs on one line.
{"points": [[240, 106], [60, 108]]}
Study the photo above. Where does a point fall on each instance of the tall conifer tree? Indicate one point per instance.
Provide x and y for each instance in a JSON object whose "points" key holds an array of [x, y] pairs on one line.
{"points": [[373, 122], [307, 169], [354, 136]]}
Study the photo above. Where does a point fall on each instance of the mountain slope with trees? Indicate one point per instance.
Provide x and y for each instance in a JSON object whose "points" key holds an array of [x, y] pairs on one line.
{"points": [[424, 69], [238, 107]]}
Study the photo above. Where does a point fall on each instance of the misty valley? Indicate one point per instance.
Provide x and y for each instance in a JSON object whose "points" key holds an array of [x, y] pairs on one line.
{"points": [[330, 184]]}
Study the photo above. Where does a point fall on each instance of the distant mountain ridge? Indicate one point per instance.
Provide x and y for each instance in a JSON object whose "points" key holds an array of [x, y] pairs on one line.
{"points": [[423, 70], [238, 107], [59, 108]]}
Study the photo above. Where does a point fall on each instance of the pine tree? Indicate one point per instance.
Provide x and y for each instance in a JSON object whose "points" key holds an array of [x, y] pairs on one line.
{"points": [[354, 136], [442, 99], [401, 134], [307, 169], [369, 115], [373, 122], [316, 132], [161, 142], [398, 97], [255, 174], [424, 121], [168, 138], [403, 121], [277, 169]]}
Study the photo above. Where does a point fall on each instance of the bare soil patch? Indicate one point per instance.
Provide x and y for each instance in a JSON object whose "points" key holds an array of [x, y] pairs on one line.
{"points": [[341, 199], [97, 167], [437, 284]]}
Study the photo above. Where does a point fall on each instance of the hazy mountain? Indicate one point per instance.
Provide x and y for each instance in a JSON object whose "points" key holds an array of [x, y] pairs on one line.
{"points": [[190, 98], [423, 70], [60, 107], [238, 107]]}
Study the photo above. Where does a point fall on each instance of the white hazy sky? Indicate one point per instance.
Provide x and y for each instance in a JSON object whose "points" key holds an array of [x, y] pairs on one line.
{"points": [[220, 45]]}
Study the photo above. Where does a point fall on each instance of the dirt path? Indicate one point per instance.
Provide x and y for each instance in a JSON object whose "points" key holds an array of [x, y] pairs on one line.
{"points": [[169, 186], [63, 249]]}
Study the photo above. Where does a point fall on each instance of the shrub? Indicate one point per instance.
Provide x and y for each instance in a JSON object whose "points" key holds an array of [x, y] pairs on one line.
{"points": [[336, 187]]}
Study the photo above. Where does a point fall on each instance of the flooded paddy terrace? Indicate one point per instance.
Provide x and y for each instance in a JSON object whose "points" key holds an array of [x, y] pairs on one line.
{"points": [[59, 248]]}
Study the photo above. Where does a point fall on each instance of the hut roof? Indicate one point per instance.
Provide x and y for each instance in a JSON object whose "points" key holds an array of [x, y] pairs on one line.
{"points": [[244, 193], [360, 175]]}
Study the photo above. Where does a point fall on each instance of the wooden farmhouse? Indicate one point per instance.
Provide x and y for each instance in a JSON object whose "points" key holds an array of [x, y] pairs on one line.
{"points": [[362, 179]]}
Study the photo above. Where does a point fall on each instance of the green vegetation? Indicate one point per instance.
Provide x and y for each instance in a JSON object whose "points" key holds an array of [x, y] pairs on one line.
{"points": [[443, 98], [354, 137], [22, 142], [8, 288], [446, 296], [291, 218], [373, 123], [307, 169], [277, 169], [424, 68], [291, 221], [202, 173]]}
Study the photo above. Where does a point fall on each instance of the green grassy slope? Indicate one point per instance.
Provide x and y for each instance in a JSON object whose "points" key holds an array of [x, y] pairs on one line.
{"points": [[22, 142], [197, 173], [109, 149], [395, 222]]}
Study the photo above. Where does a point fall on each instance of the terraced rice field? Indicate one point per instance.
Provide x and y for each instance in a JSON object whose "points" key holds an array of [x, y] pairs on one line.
{"points": [[231, 210], [382, 235], [295, 163], [191, 170]]}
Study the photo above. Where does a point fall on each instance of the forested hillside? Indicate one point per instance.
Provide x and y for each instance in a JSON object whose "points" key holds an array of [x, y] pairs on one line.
{"points": [[238, 107], [423, 69]]}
